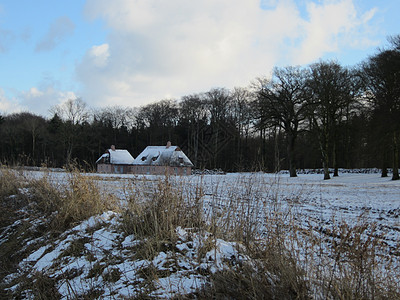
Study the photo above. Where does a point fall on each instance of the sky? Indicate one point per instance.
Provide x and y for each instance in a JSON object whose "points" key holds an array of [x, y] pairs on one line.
{"points": [[131, 53]]}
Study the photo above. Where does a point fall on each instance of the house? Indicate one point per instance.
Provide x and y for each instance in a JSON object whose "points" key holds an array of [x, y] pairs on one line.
{"points": [[154, 160], [115, 161], [160, 160]]}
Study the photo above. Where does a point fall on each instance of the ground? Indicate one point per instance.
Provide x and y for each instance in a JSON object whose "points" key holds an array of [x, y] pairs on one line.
{"points": [[99, 257]]}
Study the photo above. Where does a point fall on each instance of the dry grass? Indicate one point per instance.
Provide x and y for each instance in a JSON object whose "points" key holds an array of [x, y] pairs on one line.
{"points": [[36, 208], [249, 212], [155, 220], [10, 182], [292, 262], [72, 201], [360, 270], [286, 261]]}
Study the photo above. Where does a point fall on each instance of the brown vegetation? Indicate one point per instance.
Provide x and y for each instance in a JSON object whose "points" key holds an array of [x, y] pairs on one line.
{"points": [[279, 260]]}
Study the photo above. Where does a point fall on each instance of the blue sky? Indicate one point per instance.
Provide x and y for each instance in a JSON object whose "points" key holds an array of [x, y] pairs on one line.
{"points": [[131, 53]]}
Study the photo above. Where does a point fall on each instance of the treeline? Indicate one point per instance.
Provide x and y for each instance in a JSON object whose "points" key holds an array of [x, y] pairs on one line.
{"points": [[323, 115]]}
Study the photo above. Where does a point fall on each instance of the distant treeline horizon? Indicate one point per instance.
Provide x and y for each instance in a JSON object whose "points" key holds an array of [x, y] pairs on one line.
{"points": [[322, 115]]}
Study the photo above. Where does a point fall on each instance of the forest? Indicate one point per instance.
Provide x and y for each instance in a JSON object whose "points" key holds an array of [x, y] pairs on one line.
{"points": [[323, 115]]}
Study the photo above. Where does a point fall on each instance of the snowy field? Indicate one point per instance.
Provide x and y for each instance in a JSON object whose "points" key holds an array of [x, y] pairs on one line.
{"points": [[352, 197], [312, 203]]}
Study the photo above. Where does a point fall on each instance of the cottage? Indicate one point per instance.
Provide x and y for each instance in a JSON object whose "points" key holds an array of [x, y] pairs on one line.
{"points": [[115, 161], [159, 160]]}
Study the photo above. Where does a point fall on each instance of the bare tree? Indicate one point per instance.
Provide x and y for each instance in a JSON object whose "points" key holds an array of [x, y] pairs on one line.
{"points": [[282, 102], [116, 117], [193, 117], [331, 89], [219, 104], [160, 118], [383, 81], [35, 126], [74, 111], [242, 117]]}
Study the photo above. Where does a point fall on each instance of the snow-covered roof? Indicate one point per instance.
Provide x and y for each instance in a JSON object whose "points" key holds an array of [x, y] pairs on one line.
{"points": [[117, 157], [163, 156]]}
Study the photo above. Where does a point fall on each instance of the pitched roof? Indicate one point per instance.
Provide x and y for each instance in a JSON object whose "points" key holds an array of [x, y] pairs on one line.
{"points": [[118, 157], [163, 156]]}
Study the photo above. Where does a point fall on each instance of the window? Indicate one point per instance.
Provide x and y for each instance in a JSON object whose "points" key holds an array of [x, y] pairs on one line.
{"points": [[156, 156]]}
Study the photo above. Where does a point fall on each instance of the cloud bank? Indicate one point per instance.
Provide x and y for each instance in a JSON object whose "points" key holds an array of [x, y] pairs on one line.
{"points": [[35, 100], [159, 49], [6, 105]]}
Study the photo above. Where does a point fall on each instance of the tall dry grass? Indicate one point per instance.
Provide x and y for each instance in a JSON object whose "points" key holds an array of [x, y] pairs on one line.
{"points": [[291, 260], [154, 220], [361, 265], [287, 259], [42, 207], [70, 200], [10, 182]]}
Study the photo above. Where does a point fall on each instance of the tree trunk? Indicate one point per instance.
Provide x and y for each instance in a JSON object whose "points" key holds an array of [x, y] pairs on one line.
{"points": [[384, 171], [262, 162], [277, 154], [324, 145], [291, 140], [33, 146], [216, 146], [334, 161], [395, 175], [384, 163], [326, 166], [196, 144]]}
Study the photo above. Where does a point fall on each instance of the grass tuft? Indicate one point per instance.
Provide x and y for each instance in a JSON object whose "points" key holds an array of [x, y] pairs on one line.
{"points": [[72, 201], [155, 221], [10, 182], [278, 256]]}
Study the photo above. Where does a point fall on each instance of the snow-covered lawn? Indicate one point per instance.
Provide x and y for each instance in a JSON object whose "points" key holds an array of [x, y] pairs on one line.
{"points": [[96, 256]]}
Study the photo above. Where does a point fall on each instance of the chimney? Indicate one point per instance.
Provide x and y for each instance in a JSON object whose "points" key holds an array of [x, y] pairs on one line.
{"points": [[168, 144], [113, 147]]}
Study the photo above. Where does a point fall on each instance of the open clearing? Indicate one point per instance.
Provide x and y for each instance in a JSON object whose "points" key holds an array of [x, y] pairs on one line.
{"points": [[97, 258]]}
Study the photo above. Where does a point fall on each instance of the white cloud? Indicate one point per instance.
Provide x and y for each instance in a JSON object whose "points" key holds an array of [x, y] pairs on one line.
{"points": [[42, 100], [99, 55], [331, 26], [7, 105], [159, 48], [58, 31], [35, 100]]}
